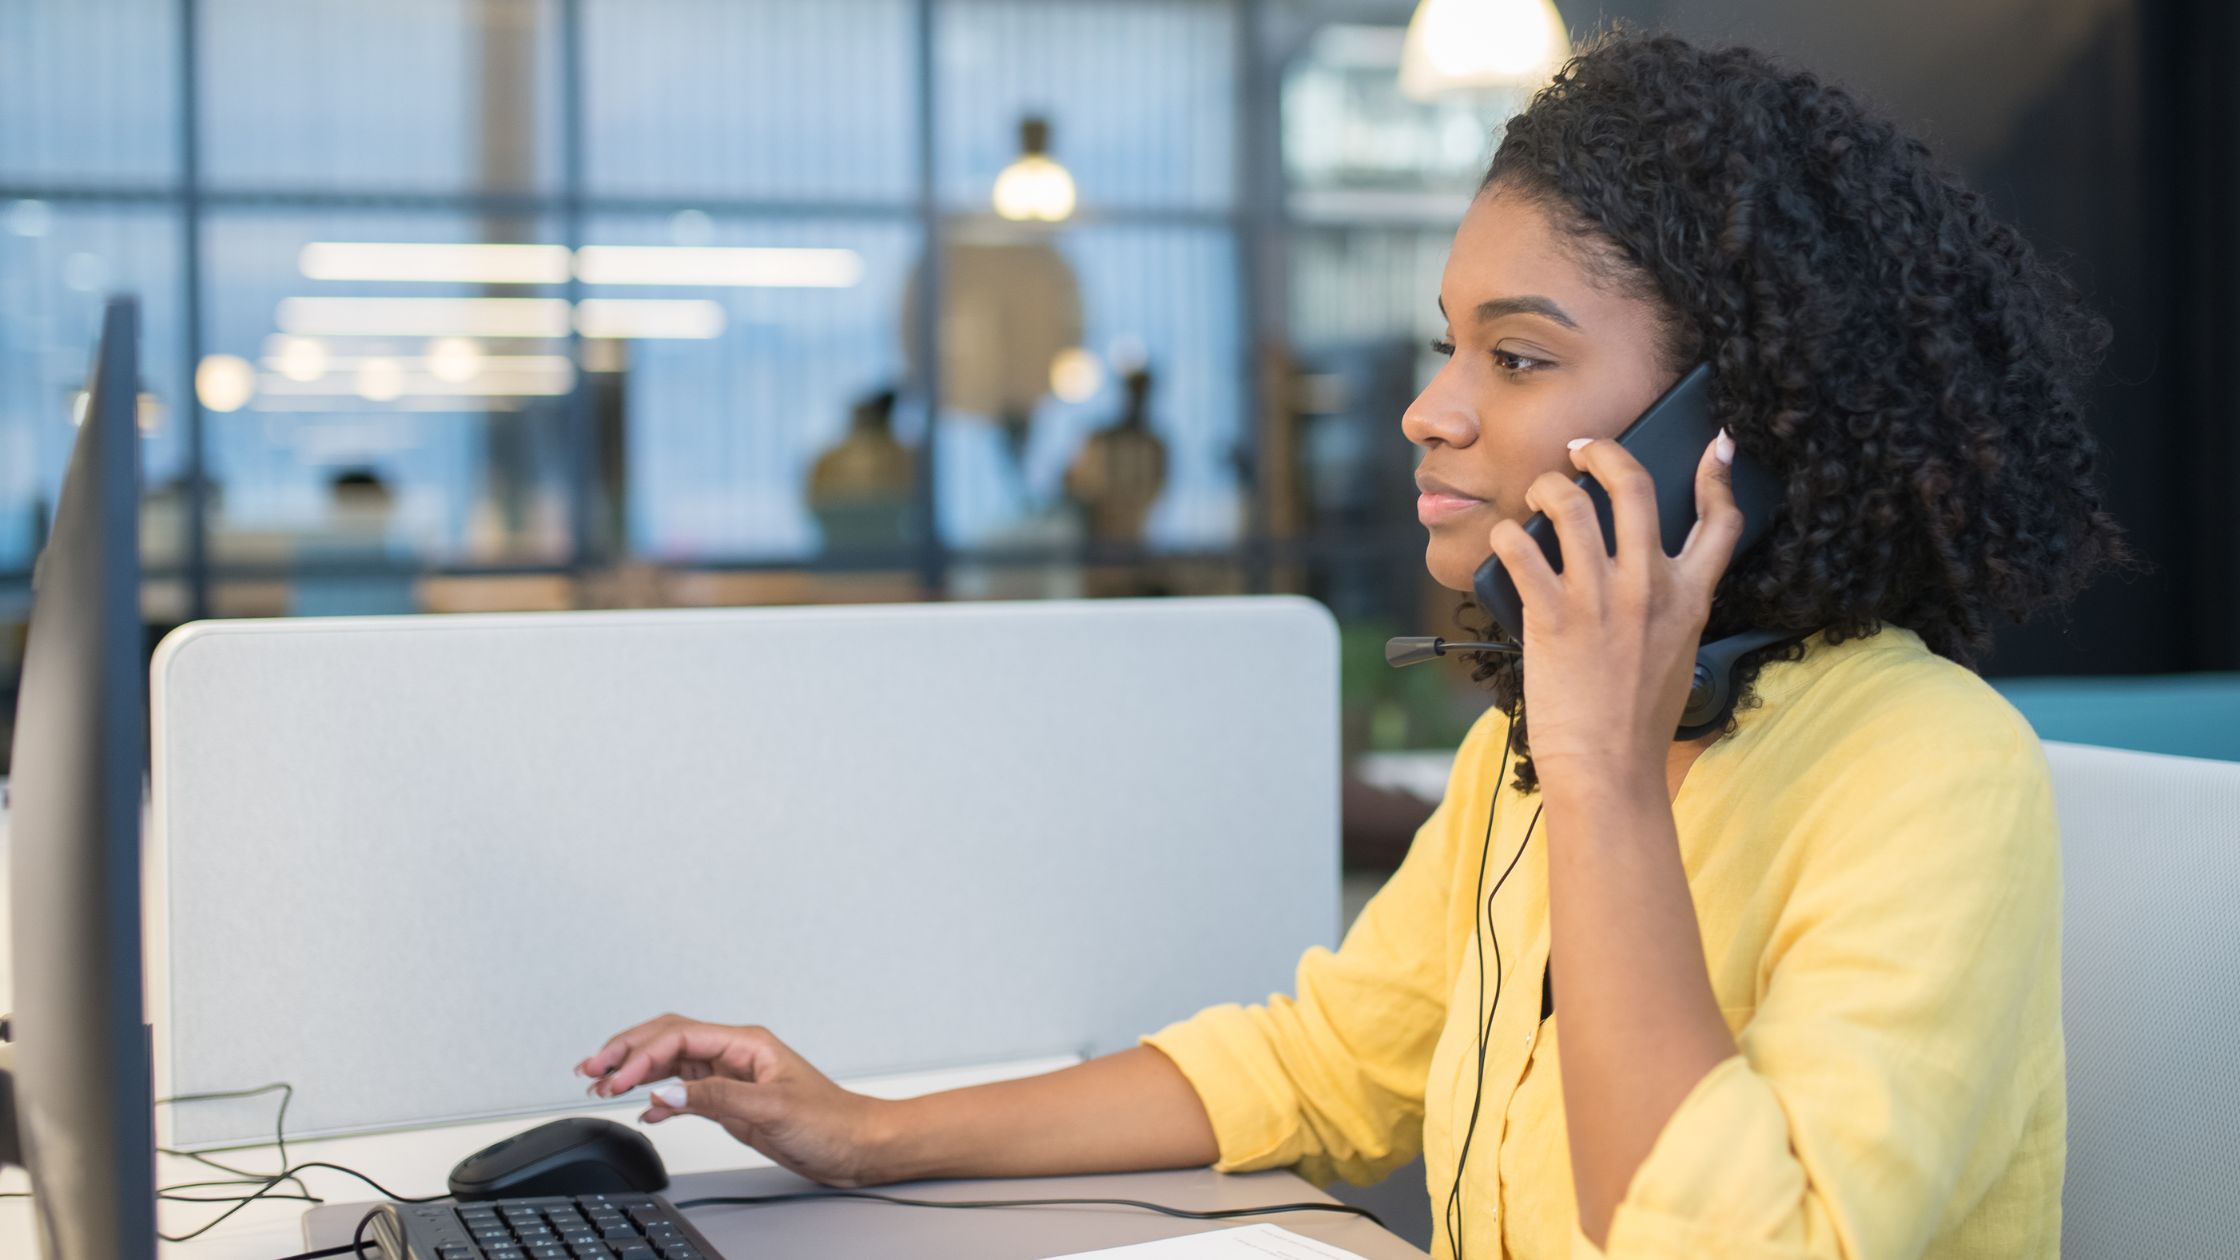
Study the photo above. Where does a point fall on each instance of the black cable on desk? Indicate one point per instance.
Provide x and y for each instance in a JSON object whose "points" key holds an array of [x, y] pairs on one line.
{"points": [[355, 1247], [286, 1174], [1209, 1214]]}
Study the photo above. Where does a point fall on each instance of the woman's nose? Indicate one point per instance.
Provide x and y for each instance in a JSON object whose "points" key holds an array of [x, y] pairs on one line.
{"points": [[1440, 416]]}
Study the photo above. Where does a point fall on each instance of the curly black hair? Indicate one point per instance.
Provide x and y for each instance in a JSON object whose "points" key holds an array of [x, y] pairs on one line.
{"points": [[1901, 357]]}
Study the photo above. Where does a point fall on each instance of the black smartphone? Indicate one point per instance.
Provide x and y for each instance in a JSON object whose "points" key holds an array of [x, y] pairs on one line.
{"points": [[1669, 439]]}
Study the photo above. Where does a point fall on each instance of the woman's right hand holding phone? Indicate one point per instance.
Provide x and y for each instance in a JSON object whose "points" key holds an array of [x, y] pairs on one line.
{"points": [[751, 1083]]}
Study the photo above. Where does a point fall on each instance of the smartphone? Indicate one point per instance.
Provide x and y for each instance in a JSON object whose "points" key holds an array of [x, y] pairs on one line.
{"points": [[1669, 439]]}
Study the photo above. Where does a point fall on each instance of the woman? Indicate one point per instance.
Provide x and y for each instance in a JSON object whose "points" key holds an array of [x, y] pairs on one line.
{"points": [[1809, 964]]}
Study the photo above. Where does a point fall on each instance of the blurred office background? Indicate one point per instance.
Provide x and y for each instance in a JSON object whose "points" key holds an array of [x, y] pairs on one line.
{"points": [[539, 304], [543, 304]]}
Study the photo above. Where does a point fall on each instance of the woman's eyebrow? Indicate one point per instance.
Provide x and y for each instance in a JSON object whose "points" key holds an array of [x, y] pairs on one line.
{"points": [[1529, 304]]}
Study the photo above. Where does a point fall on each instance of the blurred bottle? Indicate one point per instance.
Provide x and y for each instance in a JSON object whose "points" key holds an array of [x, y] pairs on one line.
{"points": [[1120, 470], [860, 490]]}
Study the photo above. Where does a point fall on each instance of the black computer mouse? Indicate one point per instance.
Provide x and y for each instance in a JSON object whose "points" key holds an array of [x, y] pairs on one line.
{"points": [[581, 1156]]}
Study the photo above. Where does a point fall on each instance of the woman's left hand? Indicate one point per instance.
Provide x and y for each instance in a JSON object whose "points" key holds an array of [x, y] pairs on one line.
{"points": [[1610, 643]]}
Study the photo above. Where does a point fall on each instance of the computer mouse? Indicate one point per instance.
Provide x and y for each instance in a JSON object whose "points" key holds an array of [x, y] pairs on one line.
{"points": [[579, 1156]]}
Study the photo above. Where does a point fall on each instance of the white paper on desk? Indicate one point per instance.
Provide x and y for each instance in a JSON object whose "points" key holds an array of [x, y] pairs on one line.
{"points": [[1249, 1242]]}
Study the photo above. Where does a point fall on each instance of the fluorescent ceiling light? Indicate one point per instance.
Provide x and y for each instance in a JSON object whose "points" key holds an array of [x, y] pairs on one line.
{"points": [[432, 364], [521, 377], [438, 263], [691, 319], [752, 267], [755, 267], [649, 319], [423, 317], [348, 401]]}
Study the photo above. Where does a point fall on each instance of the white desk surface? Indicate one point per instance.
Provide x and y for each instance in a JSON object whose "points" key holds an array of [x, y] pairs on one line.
{"points": [[415, 1162]]}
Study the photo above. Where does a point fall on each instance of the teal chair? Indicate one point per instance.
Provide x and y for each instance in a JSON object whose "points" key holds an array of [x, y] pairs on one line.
{"points": [[2183, 715]]}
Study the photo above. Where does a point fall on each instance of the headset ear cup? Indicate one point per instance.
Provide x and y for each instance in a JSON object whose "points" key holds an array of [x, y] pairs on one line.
{"points": [[1711, 690], [1704, 696]]}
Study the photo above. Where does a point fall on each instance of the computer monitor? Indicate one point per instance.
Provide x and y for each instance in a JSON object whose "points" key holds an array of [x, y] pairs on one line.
{"points": [[75, 1094]]}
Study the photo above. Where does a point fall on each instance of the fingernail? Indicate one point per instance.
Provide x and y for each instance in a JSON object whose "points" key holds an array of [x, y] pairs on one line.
{"points": [[671, 1096], [1723, 448], [1576, 443]]}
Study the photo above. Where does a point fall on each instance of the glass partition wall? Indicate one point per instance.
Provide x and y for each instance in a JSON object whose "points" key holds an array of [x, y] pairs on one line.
{"points": [[530, 304]]}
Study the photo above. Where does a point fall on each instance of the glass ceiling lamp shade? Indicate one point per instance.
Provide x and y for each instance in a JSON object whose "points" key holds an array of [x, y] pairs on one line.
{"points": [[1481, 46], [1035, 188]]}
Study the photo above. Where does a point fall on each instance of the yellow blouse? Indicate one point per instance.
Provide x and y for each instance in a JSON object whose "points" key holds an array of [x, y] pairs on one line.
{"points": [[1875, 868]]}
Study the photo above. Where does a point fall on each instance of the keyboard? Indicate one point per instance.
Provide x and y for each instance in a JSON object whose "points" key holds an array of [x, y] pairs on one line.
{"points": [[578, 1227]]}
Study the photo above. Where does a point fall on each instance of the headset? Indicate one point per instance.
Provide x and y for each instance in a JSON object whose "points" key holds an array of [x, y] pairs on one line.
{"points": [[1710, 691]]}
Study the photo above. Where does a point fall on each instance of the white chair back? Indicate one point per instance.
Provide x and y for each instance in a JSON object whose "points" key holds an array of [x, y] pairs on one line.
{"points": [[2151, 1002]]}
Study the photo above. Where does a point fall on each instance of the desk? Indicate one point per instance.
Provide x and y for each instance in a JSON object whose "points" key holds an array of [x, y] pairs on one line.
{"points": [[846, 1228], [700, 1155]]}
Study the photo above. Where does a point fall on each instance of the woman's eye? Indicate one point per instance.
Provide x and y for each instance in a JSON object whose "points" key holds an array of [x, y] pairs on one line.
{"points": [[1443, 347], [1516, 364]]}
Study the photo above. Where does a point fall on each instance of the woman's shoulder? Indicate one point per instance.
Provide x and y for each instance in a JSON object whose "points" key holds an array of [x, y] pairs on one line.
{"points": [[1890, 763], [1880, 735], [1889, 689]]}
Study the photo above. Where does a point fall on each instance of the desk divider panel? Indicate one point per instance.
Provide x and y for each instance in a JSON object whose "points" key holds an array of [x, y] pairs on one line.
{"points": [[418, 866]]}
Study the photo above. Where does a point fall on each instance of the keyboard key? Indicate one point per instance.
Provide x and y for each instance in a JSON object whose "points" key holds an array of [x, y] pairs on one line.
{"points": [[618, 1234], [679, 1251], [504, 1251], [591, 1251]]}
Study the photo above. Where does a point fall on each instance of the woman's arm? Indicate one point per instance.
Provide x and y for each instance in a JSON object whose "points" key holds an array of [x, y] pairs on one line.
{"points": [[1125, 1111], [1906, 1040], [1640, 1022], [1116, 1113], [1609, 646]]}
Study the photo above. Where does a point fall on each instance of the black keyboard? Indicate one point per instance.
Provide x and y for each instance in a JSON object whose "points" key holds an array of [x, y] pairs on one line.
{"points": [[581, 1227]]}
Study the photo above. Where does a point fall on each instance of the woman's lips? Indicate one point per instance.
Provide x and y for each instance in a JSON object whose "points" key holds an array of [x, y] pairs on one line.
{"points": [[1433, 507]]}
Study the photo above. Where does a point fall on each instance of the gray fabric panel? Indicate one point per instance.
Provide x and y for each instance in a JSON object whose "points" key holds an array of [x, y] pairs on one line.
{"points": [[420, 866]]}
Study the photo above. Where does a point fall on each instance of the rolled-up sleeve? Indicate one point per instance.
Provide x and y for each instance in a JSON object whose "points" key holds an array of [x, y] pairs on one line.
{"points": [[1330, 1079], [1912, 980]]}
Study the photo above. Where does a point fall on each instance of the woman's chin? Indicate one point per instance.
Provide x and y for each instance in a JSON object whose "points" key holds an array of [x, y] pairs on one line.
{"points": [[1448, 566]]}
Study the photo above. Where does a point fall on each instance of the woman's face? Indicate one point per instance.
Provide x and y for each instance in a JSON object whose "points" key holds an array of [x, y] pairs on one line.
{"points": [[1538, 354]]}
